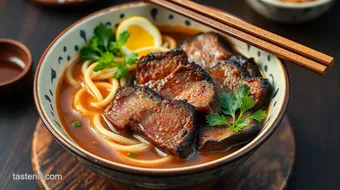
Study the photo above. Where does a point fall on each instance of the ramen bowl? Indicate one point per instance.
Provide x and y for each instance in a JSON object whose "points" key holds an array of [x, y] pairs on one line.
{"points": [[286, 12], [53, 64]]}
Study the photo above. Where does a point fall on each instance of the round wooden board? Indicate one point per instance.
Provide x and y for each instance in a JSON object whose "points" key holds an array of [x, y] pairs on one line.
{"points": [[269, 168]]}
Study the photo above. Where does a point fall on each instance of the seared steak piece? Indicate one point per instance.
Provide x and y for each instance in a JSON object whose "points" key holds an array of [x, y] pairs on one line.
{"points": [[206, 49], [229, 74], [170, 126], [220, 138], [248, 64], [260, 90], [189, 82], [130, 100], [155, 66], [173, 77]]}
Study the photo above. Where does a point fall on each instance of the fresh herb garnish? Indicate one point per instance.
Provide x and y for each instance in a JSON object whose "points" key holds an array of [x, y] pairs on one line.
{"points": [[116, 47], [76, 123], [131, 154], [103, 48], [234, 106]]}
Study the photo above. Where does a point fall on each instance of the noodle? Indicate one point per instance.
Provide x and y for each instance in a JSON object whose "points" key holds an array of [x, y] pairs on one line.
{"points": [[77, 104], [103, 74], [138, 148], [112, 94], [89, 83], [147, 163], [169, 42], [85, 66], [110, 135], [69, 71]]}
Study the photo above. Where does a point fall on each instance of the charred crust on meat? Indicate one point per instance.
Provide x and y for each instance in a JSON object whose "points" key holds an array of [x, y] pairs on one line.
{"points": [[160, 55], [205, 74], [267, 88]]}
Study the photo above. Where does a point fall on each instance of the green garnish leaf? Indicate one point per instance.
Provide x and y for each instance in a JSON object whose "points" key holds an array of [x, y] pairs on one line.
{"points": [[259, 115], [76, 123], [103, 49], [89, 54], [240, 124], [106, 60], [123, 38], [104, 36], [216, 119], [122, 71], [234, 106], [116, 49], [131, 59], [131, 154], [242, 91], [247, 103]]}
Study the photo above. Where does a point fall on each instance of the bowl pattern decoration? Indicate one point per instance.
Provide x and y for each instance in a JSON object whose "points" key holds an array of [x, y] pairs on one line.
{"points": [[53, 64]]}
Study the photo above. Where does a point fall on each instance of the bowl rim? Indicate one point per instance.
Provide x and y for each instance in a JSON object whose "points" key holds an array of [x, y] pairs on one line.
{"points": [[296, 5], [154, 172], [28, 64]]}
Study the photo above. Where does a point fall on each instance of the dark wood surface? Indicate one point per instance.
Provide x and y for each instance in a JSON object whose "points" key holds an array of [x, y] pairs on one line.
{"points": [[268, 168], [314, 107]]}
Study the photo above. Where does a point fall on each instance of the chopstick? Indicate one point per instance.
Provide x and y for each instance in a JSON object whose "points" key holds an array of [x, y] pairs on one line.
{"points": [[243, 36], [258, 32]]}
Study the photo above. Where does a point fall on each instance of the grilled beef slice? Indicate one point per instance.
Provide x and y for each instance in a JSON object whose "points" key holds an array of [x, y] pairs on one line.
{"points": [[248, 64], [229, 74], [187, 81], [157, 66], [206, 49], [128, 101], [170, 126], [220, 138]]}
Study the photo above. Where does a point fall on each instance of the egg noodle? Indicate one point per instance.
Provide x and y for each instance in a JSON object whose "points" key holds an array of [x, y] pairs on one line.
{"points": [[104, 79]]}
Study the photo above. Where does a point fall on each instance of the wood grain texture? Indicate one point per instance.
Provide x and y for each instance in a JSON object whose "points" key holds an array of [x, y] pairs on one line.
{"points": [[313, 109], [269, 168]]}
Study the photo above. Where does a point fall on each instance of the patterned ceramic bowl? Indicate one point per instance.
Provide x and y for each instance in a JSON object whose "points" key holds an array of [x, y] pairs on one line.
{"points": [[52, 65], [277, 10]]}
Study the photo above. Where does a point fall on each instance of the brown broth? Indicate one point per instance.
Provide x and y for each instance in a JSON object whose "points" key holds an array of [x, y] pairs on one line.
{"points": [[88, 139], [9, 70]]}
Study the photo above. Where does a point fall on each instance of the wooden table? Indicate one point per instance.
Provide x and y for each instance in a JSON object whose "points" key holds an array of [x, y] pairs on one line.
{"points": [[313, 108]]}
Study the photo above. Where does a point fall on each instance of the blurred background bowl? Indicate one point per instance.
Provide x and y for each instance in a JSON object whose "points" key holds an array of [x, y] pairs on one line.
{"points": [[279, 11]]}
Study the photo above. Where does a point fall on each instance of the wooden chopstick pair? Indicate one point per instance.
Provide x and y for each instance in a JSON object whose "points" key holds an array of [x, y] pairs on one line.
{"points": [[272, 43]]}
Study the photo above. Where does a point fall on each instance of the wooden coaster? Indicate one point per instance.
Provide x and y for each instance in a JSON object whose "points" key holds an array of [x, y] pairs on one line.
{"points": [[269, 168]]}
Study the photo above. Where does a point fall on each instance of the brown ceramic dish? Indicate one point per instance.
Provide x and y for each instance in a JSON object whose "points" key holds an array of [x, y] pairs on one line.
{"points": [[54, 61], [15, 64]]}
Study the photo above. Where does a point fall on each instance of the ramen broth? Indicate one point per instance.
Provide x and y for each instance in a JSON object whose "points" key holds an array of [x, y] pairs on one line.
{"points": [[86, 137]]}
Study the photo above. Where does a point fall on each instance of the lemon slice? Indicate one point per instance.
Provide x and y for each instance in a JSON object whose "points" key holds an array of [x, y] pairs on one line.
{"points": [[142, 34]]}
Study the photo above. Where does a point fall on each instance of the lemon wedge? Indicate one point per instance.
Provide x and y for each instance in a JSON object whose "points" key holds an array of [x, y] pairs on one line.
{"points": [[142, 34]]}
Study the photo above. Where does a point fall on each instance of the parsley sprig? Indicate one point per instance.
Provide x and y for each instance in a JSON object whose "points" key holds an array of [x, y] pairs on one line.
{"points": [[103, 48], [234, 106]]}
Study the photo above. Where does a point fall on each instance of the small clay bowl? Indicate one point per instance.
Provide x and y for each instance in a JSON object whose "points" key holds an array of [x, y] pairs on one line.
{"points": [[15, 64]]}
